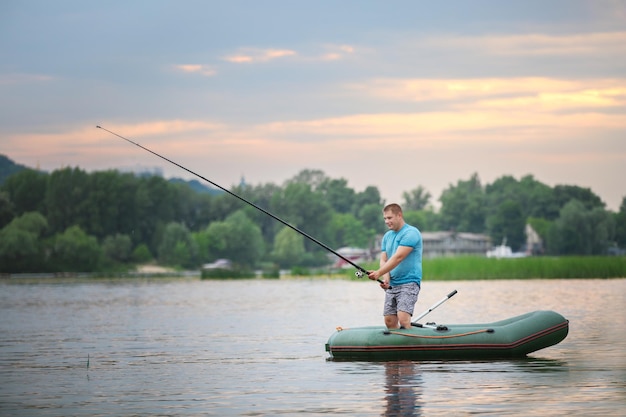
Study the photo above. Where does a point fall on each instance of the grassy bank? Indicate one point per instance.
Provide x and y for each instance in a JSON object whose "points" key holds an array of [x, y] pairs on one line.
{"points": [[473, 267]]}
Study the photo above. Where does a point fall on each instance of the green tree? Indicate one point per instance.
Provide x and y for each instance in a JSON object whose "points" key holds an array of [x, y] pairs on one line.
{"points": [[463, 206], [75, 251], [337, 193], [347, 230], [8, 168], [237, 238], [508, 223], [424, 220], [141, 254], [190, 206], [542, 227], [108, 206], [203, 245], [245, 244], [261, 196], [118, 247], [66, 196], [431, 220], [27, 190], [369, 196], [506, 210], [416, 199], [156, 205], [102, 204], [177, 247], [21, 247], [371, 216], [33, 222], [288, 248], [533, 199], [304, 209], [565, 193], [536, 199], [580, 231], [314, 178], [620, 225], [6, 209]]}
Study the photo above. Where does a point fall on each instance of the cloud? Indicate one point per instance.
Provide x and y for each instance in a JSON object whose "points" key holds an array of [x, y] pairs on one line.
{"points": [[336, 52], [576, 44], [331, 52], [529, 44], [409, 129], [164, 127], [531, 93], [196, 69], [90, 142], [515, 111], [252, 55], [591, 98], [23, 78]]}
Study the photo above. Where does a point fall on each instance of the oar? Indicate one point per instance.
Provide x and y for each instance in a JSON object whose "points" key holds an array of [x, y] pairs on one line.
{"points": [[440, 302]]}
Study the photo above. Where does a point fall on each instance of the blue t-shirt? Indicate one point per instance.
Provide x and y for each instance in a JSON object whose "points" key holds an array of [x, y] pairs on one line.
{"points": [[410, 269]]}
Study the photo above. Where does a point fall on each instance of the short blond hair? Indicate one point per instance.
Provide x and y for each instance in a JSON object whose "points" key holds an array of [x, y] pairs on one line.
{"points": [[394, 208]]}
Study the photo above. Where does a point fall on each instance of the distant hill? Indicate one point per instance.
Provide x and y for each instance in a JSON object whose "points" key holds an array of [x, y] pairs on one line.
{"points": [[8, 168], [197, 186]]}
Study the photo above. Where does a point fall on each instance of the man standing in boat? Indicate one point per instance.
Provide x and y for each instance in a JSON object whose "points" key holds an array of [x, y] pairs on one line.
{"points": [[400, 268]]}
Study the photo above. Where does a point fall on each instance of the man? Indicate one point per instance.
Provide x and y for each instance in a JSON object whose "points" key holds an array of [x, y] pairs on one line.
{"points": [[400, 268]]}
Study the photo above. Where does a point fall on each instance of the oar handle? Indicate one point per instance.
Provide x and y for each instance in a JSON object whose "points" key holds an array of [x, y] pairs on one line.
{"points": [[443, 300]]}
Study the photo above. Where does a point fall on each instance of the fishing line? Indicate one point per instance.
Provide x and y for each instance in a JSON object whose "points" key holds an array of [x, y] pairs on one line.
{"points": [[360, 270]]}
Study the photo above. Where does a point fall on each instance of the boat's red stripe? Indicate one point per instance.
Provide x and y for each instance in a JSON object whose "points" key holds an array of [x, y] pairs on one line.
{"points": [[454, 346]]}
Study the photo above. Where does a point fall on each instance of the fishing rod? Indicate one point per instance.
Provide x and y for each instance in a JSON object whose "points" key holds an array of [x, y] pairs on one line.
{"points": [[360, 272]]}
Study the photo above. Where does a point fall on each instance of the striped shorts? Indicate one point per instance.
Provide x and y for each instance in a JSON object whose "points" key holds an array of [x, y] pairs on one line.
{"points": [[401, 298]]}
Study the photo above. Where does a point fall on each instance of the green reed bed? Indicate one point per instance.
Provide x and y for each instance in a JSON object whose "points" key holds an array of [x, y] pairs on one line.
{"points": [[470, 267], [532, 267]]}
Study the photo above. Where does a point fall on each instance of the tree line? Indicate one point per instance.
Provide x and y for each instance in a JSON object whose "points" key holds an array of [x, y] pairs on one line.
{"points": [[71, 220]]}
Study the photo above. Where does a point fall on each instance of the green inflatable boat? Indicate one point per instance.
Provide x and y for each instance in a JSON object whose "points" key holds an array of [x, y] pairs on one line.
{"points": [[511, 338]]}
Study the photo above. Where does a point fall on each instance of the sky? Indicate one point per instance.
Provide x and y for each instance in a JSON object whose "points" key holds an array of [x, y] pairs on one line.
{"points": [[395, 95]]}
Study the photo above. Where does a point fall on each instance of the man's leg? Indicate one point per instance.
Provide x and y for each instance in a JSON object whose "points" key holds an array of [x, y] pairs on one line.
{"points": [[406, 304], [405, 319], [391, 321]]}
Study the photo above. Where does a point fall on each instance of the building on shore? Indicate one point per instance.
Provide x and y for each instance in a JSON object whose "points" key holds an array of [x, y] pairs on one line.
{"points": [[438, 244]]}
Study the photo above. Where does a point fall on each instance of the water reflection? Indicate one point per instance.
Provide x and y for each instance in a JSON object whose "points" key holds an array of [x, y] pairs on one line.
{"points": [[403, 388], [541, 365]]}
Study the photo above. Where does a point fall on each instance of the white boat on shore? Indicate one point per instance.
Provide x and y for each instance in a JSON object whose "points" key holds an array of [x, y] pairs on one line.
{"points": [[504, 251]]}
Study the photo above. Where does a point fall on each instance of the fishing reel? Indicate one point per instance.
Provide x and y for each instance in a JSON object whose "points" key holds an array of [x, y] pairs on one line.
{"points": [[359, 274]]}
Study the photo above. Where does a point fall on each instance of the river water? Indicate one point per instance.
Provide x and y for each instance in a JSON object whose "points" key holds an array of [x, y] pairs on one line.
{"points": [[186, 347]]}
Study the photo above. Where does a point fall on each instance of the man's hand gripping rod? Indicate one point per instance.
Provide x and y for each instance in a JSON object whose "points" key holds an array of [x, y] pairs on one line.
{"points": [[360, 273]]}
